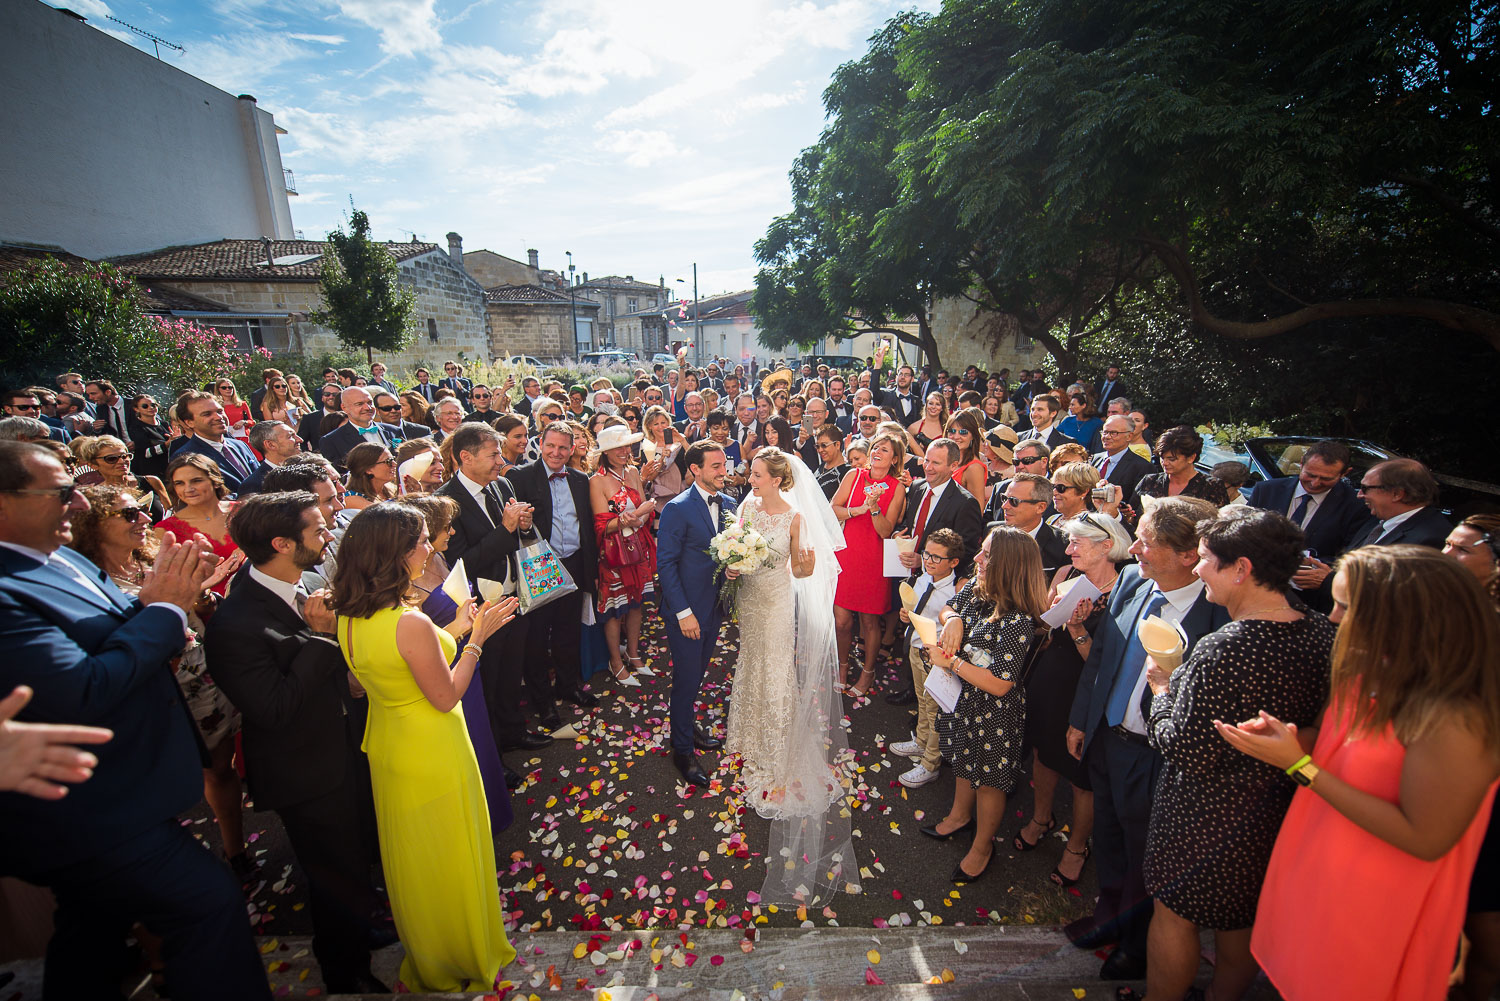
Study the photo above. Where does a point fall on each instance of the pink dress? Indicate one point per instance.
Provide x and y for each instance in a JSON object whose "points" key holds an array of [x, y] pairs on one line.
{"points": [[862, 586], [1343, 914]]}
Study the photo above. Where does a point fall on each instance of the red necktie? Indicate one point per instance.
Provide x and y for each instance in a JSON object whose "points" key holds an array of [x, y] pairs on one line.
{"points": [[922, 514]]}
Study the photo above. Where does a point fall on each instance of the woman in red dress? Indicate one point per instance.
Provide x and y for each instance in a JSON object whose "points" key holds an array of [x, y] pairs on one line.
{"points": [[621, 522], [870, 503], [236, 410], [199, 506]]}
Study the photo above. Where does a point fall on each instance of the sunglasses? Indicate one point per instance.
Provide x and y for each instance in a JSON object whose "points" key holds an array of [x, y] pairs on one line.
{"points": [[145, 406], [130, 514], [868, 420], [112, 459], [63, 494], [1030, 459], [479, 396], [1017, 501], [390, 410]]}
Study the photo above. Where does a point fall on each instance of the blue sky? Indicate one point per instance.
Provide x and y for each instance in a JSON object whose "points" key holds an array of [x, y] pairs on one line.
{"points": [[641, 135]]}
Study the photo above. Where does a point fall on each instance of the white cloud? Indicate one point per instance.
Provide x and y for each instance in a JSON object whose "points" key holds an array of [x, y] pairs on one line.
{"points": [[321, 39], [639, 148], [730, 191], [406, 26]]}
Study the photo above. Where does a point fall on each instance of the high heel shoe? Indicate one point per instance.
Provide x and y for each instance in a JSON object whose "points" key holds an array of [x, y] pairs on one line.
{"points": [[931, 830], [625, 680], [860, 693], [1020, 844], [1059, 879], [959, 876], [639, 666]]}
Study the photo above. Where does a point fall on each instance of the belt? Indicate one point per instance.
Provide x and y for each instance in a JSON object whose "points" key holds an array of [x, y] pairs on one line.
{"points": [[1130, 736]]}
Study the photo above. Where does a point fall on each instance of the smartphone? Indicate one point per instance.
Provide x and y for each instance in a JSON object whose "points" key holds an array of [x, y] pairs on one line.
{"points": [[668, 436]]}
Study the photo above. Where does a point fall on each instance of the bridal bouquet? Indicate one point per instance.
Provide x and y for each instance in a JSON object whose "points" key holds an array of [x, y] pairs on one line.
{"points": [[738, 547]]}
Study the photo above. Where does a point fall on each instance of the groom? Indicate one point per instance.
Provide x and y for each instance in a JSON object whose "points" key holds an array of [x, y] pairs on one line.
{"points": [[690, 599]]}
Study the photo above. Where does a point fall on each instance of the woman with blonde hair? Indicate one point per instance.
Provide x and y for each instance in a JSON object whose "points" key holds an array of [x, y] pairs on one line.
{"points": [[296, 393], [1364, 894], [111, 461], [665, 453], [985, 632], [236, 411], [1068, 451], [1072, 487]]}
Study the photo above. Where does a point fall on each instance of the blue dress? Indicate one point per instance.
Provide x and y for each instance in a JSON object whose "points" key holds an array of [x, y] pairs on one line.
{"points": [[1085, 432], [440, 609]]}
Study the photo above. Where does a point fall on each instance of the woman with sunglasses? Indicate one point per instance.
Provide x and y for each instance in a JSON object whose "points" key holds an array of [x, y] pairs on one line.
{"points": [[110, 459], [965, 428], [151, 437], [114, 533], [277, 405], [372, 478], [236, 410], [934, 420], [1072, 484]]}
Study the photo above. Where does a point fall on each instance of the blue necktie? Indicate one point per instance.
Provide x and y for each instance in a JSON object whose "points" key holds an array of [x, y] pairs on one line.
{"points": [[1131, 665], [1300, 511]]}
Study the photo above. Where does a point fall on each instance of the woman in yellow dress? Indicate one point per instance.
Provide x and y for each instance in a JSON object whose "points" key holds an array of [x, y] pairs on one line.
{"points": [[435, 840]]}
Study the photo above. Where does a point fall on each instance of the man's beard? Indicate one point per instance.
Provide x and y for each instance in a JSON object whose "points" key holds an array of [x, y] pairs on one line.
{"points": [[306, 557]]}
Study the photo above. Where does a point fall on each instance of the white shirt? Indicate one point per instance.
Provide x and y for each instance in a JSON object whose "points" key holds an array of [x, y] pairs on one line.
{"points": [[719, 500], [1390, 523], [1312, 506], [477, 492], [284, 590], [942, 593], [1178, 603]]}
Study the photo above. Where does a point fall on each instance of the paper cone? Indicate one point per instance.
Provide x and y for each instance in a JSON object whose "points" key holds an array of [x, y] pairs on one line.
{"points": [[566, 733], [489, 590], [926, 629], [1164, 641], [906, 545], [457, 584], [908, 596]]}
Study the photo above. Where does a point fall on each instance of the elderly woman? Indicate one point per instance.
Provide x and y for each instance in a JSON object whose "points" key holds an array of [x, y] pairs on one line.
{"points": [[985, 633], [665, 472], [1216, 812], [1072, 484], [114, 534], [1096, 546], [1177, 450]]}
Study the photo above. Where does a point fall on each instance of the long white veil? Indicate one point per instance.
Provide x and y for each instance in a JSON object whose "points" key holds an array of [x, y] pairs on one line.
{"points": [[811, 856]]}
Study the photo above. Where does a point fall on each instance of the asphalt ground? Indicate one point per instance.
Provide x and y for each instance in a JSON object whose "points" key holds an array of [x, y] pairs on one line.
{"points": [[608, 837]]}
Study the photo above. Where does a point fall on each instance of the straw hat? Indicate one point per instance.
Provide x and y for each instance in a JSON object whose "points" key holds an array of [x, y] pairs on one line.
{"points": [[1002, 439], [615, 435]]}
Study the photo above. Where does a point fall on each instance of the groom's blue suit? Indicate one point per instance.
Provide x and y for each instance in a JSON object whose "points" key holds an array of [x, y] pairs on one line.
{"points": [[686, 574]]}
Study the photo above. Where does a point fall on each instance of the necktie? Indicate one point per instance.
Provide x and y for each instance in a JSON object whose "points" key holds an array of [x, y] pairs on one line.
{"points": [[926, 597], [372, 429], [1300, 511], [1131, 664], [233, 461], [922, 513], [1373, 535], [713, 509], [299, 597], [491, 505], [558, 476]]}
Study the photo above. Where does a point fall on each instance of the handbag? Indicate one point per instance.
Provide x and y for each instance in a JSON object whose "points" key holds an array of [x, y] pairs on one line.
{"points": [[621, 550], [540, 576]]}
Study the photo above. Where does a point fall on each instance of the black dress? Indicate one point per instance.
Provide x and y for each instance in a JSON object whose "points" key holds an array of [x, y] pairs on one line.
{"points": [[982, 737], [1216, 812], [1202, 486], [1049, 698], [150, 448]]}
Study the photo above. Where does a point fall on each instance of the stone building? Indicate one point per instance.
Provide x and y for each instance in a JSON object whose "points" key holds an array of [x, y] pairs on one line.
{"points": [[262, 292], [532, 320], [619, 297], [964, 336]]}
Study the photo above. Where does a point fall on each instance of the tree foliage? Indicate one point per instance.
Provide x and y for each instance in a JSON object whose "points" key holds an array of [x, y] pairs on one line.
{"points": [[364, 303]]}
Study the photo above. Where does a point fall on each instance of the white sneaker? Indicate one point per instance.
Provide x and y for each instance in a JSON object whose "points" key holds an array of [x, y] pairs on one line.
{"points": [[907, 749], [918, 776]]}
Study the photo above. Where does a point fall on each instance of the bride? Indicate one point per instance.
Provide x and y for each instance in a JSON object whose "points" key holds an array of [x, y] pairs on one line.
{"points": [[785, 712]]}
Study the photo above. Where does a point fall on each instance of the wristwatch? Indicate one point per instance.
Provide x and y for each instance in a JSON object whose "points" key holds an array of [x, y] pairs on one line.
{"points": [[1304, 772]]}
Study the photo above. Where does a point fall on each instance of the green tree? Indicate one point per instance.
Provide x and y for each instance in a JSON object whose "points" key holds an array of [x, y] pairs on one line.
{"points": [[365, 304]]}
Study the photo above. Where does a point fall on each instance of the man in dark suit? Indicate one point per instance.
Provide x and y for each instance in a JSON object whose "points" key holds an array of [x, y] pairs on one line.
{"points": [[1108, 388], [455, 381], [1118, 464], [903, 403], [362, 427], [388, 411], [277, 443], [563, 515], [308, 425], [1024, 504], [485, 535], [109, 409], [204, 415], [25, 403], [275, 655], [1328, 510], [1403, 495], [1045, 412], [531, 389], [1107, 726], [112, 850]]}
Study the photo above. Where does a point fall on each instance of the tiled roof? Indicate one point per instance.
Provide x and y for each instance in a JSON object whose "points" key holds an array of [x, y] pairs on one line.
{"points": [[533, 294], [732, 305], [618, 283], [245, 260], [14, 258]]}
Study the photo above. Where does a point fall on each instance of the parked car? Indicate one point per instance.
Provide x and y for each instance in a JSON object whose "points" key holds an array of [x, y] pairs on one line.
{"points": [[663, 358], [609, 357], [537, 366], [1269, 458]]}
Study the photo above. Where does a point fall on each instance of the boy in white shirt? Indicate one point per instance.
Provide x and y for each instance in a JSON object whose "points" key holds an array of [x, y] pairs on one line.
{"points": [[942, 552]]}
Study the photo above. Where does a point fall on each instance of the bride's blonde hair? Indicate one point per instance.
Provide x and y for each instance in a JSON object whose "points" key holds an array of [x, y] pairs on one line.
{"points": [[776, 465]]}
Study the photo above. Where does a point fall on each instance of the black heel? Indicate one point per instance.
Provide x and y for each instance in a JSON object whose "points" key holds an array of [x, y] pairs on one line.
{"points": [[1020, 844], [1063, 881]]}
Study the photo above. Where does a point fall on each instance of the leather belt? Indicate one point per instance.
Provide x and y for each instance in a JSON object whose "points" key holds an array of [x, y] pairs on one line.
{"points": [[1130, 735]]}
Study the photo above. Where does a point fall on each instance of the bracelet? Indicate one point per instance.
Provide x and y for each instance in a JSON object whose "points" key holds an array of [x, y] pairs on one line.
{"points": [[478, 650], [1301, 762]]}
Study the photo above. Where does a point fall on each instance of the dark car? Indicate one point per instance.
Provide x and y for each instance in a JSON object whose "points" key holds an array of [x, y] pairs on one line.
{"points": [[1269, 458]]}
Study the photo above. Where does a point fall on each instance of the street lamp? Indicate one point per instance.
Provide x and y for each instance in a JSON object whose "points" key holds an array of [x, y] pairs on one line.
{"points": [[572, 304]]}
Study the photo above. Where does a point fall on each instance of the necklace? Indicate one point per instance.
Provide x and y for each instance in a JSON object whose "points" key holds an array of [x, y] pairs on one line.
{"points": [[1263, 611]]}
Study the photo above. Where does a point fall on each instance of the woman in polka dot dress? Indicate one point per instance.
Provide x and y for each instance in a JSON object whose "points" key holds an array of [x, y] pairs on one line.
{"points": [[987, 629]]}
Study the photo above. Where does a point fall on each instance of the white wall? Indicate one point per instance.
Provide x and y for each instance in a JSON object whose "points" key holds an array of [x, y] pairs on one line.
{"points": [[109, 150]]}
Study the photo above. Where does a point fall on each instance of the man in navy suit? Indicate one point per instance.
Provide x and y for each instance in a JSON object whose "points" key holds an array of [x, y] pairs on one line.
{"points": [[1117, 463], [362, 427], [112, 851], [1107, 722], [690, 596], [456, 382], [1402, 495], [205, 415], [1327, 509], [425, 387]]}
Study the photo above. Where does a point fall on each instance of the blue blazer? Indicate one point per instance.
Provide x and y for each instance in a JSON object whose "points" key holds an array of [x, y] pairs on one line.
{"points": [[1340, 522], [1113, 638], [683, 566], [100, 662], [241, 451]]}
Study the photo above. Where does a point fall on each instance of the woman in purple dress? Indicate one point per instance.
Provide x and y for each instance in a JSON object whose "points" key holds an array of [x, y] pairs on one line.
{"points": [[442, 610]]}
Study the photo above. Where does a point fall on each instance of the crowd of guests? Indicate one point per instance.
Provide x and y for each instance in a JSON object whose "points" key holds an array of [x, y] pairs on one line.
{"points": [[288, 555]]}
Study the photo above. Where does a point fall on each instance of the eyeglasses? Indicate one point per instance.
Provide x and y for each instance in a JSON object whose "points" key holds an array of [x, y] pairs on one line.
{"points": [[1112, 434], [1016, 501], [1365, 488], [387, 461], [130, 514], [112, 459], [23, 407], [1031, 459], [63, 494], [934, 558], [960, 431]]}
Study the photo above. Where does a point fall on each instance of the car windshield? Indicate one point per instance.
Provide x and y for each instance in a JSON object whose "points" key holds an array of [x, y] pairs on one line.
{"points": [[1285, 455]]}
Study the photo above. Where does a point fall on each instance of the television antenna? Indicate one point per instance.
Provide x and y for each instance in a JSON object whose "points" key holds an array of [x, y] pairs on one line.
{"points": [[156, 40]]}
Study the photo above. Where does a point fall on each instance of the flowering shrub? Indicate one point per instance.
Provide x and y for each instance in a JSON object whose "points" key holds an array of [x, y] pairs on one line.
{"points": [[193, 355]]}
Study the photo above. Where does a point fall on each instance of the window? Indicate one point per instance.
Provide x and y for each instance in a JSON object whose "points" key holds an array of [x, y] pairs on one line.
{"points": [[432, 330], [631, 305], [1023, 343]]}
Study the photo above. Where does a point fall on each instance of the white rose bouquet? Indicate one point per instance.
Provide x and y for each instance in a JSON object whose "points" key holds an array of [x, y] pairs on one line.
{"points": [[738, 547]]}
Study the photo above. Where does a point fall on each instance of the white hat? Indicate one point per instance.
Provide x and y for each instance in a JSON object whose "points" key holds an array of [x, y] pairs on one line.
{"points": [[616, 435]]}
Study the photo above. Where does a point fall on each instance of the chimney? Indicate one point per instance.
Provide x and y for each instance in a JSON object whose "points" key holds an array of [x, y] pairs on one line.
{"points": [[630, 278], [265, 242], [533, 259], [585, 278], [456, 249]]}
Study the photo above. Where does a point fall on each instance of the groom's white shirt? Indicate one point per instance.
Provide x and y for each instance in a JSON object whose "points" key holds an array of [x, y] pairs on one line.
{"points": [[706, 503]]}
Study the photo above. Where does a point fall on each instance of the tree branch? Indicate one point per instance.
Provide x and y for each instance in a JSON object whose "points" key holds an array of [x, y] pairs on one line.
{"points": [[1453, 315]]}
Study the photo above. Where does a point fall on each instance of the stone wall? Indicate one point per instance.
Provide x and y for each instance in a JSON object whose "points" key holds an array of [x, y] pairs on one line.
{"points": [[964, 336], [541, 330], [490, 269]]}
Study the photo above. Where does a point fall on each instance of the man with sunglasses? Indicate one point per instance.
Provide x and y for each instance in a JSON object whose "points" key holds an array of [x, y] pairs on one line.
{"points": [[455, 381], [480, 398], [112, 850], [1026, 500], [362, 427], [307, 427], [25, 403], [1030, 457], [869, 419], [388, 410]]}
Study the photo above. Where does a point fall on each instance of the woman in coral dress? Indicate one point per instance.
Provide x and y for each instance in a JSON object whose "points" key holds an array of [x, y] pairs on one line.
{"points": [[1366, 890], [435, 836], [870, 503]]}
